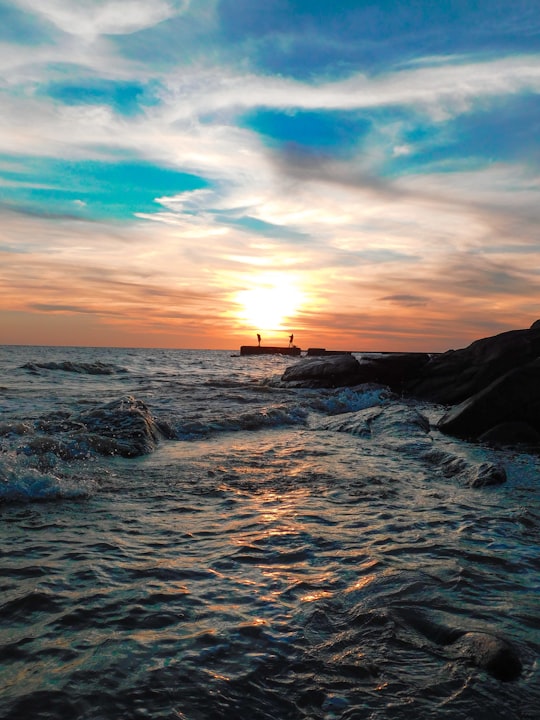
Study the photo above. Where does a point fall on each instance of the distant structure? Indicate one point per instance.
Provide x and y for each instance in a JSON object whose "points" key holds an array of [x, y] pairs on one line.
{"points": [[269, 350]]}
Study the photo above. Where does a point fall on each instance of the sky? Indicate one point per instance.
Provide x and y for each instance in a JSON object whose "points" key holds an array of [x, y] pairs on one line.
{"points": [[188, 173]]}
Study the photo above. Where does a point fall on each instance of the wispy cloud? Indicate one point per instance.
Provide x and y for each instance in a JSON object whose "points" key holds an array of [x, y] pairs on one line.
{"points": [[151, 184], [101, 17]]}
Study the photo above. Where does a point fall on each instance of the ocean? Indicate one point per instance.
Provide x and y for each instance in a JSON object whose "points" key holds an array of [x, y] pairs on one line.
{"points": [[278, 552]]}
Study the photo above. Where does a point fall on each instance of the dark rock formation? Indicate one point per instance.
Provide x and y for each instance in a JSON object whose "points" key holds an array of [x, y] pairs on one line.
{"points": [[126, 422], [122, 427], [484, 650], [394, 370], [457, 374], [338, 370], [323, 372], [494, 385], [513, 398], [489, 652], [511, 433], [467, 473]]}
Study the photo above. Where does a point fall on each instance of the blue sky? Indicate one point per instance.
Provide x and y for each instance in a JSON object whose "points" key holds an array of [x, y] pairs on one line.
{"points": [[171, 170]]}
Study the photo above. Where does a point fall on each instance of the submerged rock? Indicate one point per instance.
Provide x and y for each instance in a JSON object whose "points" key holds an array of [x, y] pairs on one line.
{"points": [[16, 428], [491, 653], [395, 421], [467, 473]]}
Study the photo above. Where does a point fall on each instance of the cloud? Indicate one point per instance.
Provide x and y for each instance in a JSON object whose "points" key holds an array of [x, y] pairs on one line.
{"points": [[443, 91], [406, 300], [90, 18], [354, 180]]}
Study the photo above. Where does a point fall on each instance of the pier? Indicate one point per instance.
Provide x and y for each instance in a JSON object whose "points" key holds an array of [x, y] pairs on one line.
{"points": [[269, 350]]}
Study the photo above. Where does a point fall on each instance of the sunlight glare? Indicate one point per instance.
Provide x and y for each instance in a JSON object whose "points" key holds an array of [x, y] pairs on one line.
{"points": [[274, 299]]}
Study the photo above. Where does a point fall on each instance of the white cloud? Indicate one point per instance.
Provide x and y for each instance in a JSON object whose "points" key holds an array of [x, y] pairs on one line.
{"points": [[443, 91], [90, 18]]}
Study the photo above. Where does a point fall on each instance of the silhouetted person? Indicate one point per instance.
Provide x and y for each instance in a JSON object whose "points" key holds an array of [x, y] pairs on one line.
{"points": [[259, 339], [291, 338]]}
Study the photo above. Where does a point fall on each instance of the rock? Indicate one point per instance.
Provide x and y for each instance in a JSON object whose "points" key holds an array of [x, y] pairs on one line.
{"points": [[123, 427], [324, 372], [127, 422], [511, 433], [466, 472], [394, 421], [394, 370], [484, 474], [16, 428], [489, 652], [485, 650], [340, 370], [513, 398], [457, 374]]}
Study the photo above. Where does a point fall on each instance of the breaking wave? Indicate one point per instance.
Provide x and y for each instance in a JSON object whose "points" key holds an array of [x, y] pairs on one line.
{"points": [[95, 368]]}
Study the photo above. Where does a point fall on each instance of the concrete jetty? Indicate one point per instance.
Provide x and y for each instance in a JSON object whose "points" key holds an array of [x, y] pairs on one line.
{"points": [[269, 350]]}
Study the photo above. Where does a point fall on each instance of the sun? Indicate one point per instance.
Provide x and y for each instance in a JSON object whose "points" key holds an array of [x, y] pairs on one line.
{"points": [[270, 302]]}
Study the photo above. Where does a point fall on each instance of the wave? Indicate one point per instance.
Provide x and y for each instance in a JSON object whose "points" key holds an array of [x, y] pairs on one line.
{"points": [[20, 484], [346, 400], [95, 368], [402, 430], [264, 418]]}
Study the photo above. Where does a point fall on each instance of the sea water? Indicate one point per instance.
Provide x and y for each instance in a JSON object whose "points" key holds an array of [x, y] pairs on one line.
{"points": [[272, 558]]}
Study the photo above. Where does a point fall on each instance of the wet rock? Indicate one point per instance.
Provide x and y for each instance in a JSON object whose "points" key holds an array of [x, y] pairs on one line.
{"points": [[393, 420], [324, 372], [513, 398], [467, 473], [40, 445], [489, 652], [510, 434], [394, 370], [16, 428], [340, 370], [484, 474], [457, 374], [399, 428], [125, 427], [452, 377]]}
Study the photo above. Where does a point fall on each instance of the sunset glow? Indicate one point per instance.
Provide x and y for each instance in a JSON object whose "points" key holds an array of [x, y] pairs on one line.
{"points": [[271, 304], [154, 193]]}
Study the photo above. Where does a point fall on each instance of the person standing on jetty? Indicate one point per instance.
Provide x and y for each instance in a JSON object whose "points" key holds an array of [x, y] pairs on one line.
{"points": [[259, 339], [291, 338]]}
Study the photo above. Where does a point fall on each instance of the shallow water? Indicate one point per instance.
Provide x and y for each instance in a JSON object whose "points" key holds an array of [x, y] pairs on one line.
{"points": [[266, 563]]}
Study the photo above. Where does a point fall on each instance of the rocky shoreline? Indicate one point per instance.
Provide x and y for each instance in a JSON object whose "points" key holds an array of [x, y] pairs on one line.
{"points": [[491, 389]]}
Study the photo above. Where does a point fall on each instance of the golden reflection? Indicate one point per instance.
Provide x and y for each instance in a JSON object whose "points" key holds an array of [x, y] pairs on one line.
{"points": [[362, 583], [279, 510], [318, 595]]}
